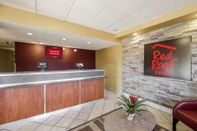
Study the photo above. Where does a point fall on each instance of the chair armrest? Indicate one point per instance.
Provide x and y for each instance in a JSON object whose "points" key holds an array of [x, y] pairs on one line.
{"points": [[185, 105]]}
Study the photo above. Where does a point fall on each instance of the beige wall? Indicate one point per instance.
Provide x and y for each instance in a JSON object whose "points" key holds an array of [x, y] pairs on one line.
{"points": [[6, 61], [110, 59]]}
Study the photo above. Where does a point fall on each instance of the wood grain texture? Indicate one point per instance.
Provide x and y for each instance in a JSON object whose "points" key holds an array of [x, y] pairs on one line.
{"points": [[19, 103], [59, 96], [92, 90]]}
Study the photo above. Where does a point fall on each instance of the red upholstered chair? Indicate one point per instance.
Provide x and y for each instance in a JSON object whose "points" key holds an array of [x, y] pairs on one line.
{"points": [[186, 112]]}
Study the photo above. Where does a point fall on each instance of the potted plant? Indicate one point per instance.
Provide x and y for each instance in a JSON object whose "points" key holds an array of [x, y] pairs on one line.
{"points": [[132, 105]]}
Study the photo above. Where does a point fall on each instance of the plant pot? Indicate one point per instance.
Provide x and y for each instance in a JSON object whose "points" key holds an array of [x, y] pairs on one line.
{"points": [[130, 117]]}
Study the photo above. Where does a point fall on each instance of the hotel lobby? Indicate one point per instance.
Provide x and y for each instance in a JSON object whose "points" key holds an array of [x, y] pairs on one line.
{"points": [[64, 64]]}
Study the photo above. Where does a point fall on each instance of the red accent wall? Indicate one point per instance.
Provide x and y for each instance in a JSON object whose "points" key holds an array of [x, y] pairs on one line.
{"points": [[28, 55]]}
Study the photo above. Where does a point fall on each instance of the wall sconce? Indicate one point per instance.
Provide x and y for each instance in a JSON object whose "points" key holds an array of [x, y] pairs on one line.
{"points": [[9, 42], [75, 50]]}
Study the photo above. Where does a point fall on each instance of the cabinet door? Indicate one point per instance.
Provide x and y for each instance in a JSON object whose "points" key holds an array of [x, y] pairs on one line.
{"points": [[59, 96], [22, 102], [92, 90]]}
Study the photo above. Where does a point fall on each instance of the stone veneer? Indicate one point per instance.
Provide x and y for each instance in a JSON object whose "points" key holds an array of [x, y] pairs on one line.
{"points": [[163, 91]]}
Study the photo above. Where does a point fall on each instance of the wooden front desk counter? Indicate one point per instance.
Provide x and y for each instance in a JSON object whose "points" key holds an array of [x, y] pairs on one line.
{"points": [[27, 99]]}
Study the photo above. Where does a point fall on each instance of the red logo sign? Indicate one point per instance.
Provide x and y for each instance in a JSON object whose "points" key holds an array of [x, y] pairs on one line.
{"points": [[53, 52], [163, 63]]}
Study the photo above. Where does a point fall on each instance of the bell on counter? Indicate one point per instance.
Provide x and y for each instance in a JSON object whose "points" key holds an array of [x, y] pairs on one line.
{"points": [[79, 66], [42, 66]]}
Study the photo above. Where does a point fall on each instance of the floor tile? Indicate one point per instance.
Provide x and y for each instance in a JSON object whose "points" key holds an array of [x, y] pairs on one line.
{"points": [[55, 128], [52, 120], [154, 111], [165, 125], [76, 108], [107, 110], [71, 114], [75, 123], [93, 116], [89, 104], [61, 114], [29, 126], [182, 127], [161, 118], [86, 109], [43, 127], [64, 122], [97, 110], [99, 105], [14, 126], [41, 120], [82, 116]]}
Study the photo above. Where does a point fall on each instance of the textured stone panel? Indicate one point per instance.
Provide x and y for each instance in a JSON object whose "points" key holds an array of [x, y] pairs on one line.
{"points": [[163, 91]]}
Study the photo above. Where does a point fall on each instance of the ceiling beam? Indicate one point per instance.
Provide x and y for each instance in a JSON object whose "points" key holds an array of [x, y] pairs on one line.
{"points": [[18, 16], [178, 16]]}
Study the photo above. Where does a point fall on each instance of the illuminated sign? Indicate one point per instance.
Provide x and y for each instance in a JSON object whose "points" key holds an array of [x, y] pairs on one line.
{"points": [[53, 52], [170, 58], [162, 60]]}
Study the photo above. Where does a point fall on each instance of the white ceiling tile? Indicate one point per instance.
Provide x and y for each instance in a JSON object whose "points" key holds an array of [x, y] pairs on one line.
{"points": [[28, 5], [85, 11], [118, 11], [54, 8], [149, 12]]}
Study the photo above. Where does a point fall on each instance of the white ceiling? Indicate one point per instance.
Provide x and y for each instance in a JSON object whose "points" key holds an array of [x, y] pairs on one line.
{"points": [[111, 16]]}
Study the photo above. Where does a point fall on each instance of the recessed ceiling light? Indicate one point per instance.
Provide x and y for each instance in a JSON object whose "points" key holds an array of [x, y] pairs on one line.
{"points": [[88, 42], [63, 38], [28, 33], [113, 29], [134, 33]]}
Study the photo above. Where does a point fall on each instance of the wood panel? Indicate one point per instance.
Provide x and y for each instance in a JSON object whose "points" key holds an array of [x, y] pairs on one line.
{"points": [[92, 90], [19, 103], [59, 96]]}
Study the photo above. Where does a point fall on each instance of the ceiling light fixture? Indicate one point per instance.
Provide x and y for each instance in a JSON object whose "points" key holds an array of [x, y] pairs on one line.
{"points": [[28, 33], [88, 42], [63, 38], [113, 29], [134, 33]]}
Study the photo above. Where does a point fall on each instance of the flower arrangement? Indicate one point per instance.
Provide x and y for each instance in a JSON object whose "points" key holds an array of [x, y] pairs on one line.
{"points": [[131, 104]]}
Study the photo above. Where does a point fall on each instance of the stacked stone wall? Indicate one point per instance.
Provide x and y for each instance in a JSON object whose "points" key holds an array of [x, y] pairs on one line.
{"points": [[163, 91]]}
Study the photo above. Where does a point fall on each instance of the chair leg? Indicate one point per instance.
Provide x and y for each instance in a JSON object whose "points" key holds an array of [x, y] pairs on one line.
{"points": [[175, 121]]}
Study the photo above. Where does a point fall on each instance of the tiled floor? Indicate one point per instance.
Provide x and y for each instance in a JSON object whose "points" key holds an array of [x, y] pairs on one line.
{"points": [[74, 116]]}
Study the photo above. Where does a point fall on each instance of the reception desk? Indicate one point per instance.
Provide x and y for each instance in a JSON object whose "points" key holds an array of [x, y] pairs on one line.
{"points": [[28, 94]]}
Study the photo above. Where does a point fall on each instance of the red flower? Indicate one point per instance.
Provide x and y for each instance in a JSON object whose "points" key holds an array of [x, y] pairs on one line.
{"points": [[133, 98]]}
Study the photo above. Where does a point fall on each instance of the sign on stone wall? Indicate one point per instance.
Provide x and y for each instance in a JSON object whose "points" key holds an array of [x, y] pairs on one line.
{"points": [[170, 58]]}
